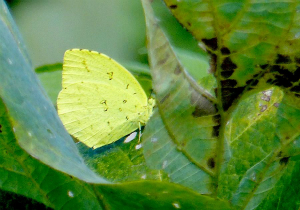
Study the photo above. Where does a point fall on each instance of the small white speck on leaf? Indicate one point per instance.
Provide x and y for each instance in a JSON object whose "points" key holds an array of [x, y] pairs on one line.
{"points": [[130, 137], [176, 205], [70, 194], [9, 61], [164, 165], [144, 176], [153, 140], [29, 134], [268, 92], [14, 129], [138, 146], [253, 177]]}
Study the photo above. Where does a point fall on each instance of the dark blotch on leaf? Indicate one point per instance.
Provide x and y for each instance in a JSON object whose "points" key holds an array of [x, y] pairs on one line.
{"points": [[228, 83], [226, 74], [284, 160], [279, 154], [164, 98], [282, 59], [228, 65], [282, 81], [297, 74], [225, 51], [164, 59], [211, 163], [0, 128], [189, 24], [297, 60], [248, 82], [199, 112], [216, 130], [213, 62], [264, 66], [270, 81], [252, 82], [173, 6], [177, 69], [229, 95], [217, 118], [296, 89], [211, 43]]}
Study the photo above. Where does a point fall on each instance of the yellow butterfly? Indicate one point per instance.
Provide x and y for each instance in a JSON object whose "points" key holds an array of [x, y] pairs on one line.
{"points": [[100, 101]]}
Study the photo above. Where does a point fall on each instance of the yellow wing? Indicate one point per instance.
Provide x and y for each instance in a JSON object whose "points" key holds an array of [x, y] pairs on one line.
{"points": [[100, 101]]}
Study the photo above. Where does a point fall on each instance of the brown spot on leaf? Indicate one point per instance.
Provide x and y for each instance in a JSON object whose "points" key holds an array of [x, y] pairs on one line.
{"points": [[217, 118], [228, 83], [211, 43], [225, 51], [211, 163], [227, 74], [297, 60], [0, 128], [177, 69], [276, 105], [203, 106], [173, 6], [263, 108], [279, 154], [164, 59], [295, 88], [213, 63], [215, 132], [228, 65], [284, 160], [252, 82], [164, 98], [229, 95], [264, 66], [282, 59]]}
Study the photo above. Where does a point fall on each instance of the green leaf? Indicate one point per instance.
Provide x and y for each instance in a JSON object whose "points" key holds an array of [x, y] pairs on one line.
{"points": [[36, 125], [169, 143], [22, 174], [157, 195], [121, 161], [252, 45]]}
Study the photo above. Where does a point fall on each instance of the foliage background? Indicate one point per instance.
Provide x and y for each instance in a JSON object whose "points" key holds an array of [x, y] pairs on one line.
{"points": [[50, 27]]}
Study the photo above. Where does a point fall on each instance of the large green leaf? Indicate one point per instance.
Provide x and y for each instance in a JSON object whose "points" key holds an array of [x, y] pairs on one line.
{"points": [[258, 136], [157, 195], [35, 122], [182, 136], [252, 43], [22, 174]]}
